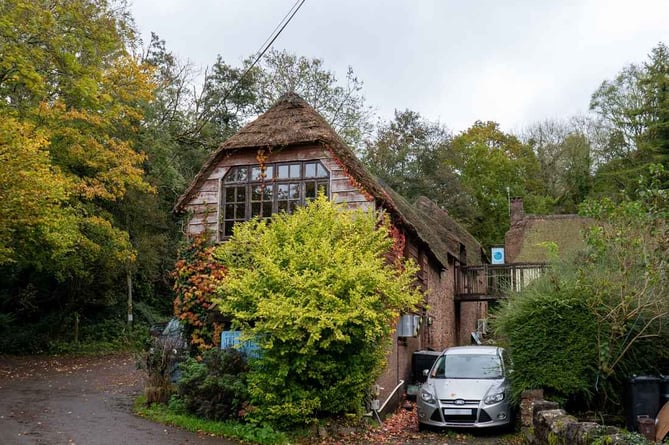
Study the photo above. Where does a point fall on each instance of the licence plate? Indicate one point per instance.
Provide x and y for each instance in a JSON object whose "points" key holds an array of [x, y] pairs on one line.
{"points": [[457, 412]]}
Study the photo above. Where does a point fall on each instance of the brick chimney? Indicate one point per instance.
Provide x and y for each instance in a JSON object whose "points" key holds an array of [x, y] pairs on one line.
{"points": [[517, 211]]}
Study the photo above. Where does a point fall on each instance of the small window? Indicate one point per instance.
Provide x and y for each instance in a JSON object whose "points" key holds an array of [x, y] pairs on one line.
{"points": [[237, 174], [262, 174], [314, 170]]}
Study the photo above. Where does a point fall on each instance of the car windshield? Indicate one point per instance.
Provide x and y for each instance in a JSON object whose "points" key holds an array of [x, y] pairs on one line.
{"points": [[467, 366]]}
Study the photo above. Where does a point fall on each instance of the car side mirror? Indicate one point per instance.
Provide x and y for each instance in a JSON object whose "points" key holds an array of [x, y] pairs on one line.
{"points": [[426, 372]]}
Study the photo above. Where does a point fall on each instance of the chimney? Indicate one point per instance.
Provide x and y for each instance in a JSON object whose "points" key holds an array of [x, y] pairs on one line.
{"points": [[516, 210]]}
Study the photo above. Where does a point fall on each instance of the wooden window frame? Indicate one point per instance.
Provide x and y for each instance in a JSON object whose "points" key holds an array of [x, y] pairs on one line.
{"points": [[298, 186]]}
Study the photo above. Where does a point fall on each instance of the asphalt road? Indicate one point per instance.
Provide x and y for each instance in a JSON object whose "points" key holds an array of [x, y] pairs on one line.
{"points": [[88, 401], [79, 401]]}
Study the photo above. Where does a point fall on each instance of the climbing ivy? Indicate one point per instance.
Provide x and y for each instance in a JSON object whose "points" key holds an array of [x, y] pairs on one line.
{"points": [[196, 276]]}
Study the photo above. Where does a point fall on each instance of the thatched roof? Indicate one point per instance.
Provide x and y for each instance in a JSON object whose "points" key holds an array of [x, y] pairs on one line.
{"points": [[530, 236], [293, 122]]}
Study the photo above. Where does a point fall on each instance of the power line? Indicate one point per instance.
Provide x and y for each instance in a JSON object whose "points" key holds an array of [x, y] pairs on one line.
{"points": [[279, 24], [271, 38]]}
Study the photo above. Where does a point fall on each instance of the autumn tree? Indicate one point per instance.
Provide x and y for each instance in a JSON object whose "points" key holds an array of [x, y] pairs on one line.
{"points": [[409, 153], [317, 294], [72, 89]]}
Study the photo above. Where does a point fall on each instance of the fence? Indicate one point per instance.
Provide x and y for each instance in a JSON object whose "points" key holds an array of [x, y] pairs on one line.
{"points": [[491, 282]]}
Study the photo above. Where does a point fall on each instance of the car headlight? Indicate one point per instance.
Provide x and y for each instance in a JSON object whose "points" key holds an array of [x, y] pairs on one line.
{"points": [[491, 399], [427, 396]]}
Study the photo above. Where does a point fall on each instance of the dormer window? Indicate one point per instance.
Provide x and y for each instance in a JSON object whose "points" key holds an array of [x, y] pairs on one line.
{"points": [[255, 190]]}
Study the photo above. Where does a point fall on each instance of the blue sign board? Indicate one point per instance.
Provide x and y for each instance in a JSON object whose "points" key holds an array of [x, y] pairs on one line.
{"points": [[497, 254], [231, 339]]}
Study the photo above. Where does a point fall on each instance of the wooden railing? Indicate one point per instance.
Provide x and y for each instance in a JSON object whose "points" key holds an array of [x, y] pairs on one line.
{"points": [[491, 282]]}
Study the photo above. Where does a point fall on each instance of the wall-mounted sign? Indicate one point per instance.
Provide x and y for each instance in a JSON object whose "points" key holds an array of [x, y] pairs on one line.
{"points": [[497, 254]]}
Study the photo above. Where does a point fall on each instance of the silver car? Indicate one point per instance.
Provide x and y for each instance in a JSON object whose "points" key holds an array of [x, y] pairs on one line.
{"points": [[466, 387]]}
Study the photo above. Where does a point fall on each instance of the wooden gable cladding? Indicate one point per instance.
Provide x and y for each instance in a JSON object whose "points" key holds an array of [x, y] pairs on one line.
{"points": [[204, 206]]}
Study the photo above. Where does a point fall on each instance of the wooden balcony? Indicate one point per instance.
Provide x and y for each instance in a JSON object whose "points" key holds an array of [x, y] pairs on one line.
{"points": [[492, 282]]}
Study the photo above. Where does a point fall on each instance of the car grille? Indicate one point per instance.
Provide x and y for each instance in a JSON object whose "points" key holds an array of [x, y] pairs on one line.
{"points": [[452, 402], [451, 418], [475, 415]]}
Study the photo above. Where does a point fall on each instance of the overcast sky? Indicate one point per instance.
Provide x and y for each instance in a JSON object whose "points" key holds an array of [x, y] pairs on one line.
{"points": [[454, 61]]}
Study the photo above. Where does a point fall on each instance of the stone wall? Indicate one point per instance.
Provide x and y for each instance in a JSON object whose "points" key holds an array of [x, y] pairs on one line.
{"points": [[546, 424]]}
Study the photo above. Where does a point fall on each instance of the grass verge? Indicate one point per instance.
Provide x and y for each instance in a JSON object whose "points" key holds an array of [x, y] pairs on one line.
{"points": [[231, 430]]}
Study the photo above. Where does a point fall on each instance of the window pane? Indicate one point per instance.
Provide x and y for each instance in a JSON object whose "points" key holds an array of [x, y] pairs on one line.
{"points": [[310, 170], [283, 206], [282, 172], [227, 229], [240, 212], [229, 211], [294, 171], [294, 191], [321, 172], [323, 188], [241, 194], [268, 192], [231, 175], [282, 191], [266, 209], [310, 190], [230, 194], [236, 174], [256, 193], [255, 209], [257, 174]]}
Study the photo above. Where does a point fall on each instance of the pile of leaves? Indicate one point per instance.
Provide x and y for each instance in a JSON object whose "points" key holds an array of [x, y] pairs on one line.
{"points": [[402, 428]]}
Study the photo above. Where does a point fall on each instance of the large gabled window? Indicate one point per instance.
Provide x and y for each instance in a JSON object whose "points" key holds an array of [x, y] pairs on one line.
{"points": [[255, 190]]}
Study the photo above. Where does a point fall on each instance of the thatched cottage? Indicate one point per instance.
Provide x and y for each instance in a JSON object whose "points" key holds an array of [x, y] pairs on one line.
{"points": [[301, 154]]}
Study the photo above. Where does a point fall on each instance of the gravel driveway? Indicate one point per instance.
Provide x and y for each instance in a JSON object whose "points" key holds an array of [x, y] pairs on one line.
{"points": [[83, 401]]}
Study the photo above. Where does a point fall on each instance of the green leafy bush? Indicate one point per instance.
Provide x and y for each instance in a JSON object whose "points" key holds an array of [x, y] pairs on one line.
{"points": [[550, 333], [580, 331], [316, 291], [215, 388]]}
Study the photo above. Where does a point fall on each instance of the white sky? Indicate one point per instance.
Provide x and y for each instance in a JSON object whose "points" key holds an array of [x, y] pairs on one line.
{"points": [[453, 61]]}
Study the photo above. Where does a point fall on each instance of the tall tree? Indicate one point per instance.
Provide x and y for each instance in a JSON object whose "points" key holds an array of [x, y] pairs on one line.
{"points": [[495, 165], [634, 107], [409, 153], [67, 73], [564, 150], [342, 104], [655, 85]]}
